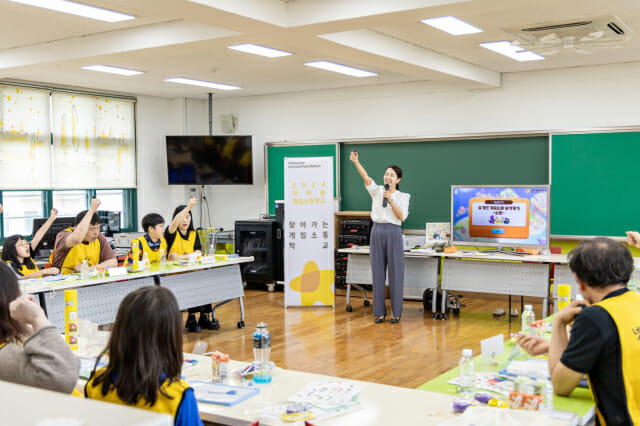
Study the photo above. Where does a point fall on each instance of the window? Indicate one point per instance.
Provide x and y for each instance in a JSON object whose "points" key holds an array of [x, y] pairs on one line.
{"points": [[112, 201], [69, 203], [20, 208]]}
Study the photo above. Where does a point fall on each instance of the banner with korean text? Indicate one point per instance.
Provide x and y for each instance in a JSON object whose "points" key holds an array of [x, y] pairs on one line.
{"points": [[308, 232]]}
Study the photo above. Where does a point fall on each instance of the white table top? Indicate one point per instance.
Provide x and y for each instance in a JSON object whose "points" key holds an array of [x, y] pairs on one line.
{"points": [[381, 404], [73, 281], [26, 405]]}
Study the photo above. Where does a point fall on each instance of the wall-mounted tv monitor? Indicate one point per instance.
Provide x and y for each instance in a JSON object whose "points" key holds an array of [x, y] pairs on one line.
{"points": [[209, 160], [500, 216]]}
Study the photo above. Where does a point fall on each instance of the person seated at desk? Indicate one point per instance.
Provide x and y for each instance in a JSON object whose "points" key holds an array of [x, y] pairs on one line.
{"points": [[152, 243], [145, 358], [604, 342], [83, 242], [34, 357], [18, 252]]}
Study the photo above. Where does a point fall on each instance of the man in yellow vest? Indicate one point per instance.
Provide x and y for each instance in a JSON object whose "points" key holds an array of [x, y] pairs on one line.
{"points": [[83, 242], [605, 336]]}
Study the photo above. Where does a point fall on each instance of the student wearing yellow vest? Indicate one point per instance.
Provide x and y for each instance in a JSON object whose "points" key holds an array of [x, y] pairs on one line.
{"points": [[35, 355], [152, 243], [84, 241], [604, 342], [145, 358], [182, 239], [18, 252]]}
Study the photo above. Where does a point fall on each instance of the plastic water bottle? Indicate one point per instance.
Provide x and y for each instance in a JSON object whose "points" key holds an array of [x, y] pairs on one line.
{"points": [[163, 258], [261, 352], [467, 375], [527, 318], [547, 397], [84, 270], [145, 260]]}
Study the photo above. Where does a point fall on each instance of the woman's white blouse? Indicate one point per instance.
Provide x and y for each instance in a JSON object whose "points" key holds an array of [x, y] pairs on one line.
{"points": [[381, 214]]}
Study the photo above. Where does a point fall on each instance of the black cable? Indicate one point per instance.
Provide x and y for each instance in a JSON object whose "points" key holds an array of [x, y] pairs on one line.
{"points": [[204, 198]]}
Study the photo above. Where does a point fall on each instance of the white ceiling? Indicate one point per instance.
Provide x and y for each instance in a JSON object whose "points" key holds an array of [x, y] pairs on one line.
{"points": [[182, 38]]}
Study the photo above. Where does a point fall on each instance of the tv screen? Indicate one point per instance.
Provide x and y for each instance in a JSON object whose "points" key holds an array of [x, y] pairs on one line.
{"points": [[500, 216], [209, 160], [49, 239]]}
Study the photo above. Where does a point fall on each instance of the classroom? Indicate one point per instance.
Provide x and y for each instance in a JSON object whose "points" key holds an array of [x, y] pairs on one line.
{"points": [[515, 97]]}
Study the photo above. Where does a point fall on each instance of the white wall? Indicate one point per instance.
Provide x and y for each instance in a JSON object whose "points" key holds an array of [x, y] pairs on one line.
{"points": [[589, 97]]}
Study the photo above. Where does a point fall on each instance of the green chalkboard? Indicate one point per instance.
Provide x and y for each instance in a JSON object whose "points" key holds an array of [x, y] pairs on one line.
{"points": [[275, 166], [593, 180], [431, 167]]}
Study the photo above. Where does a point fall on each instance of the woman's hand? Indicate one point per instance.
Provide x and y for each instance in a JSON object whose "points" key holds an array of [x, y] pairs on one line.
{"points": [[387, 195], [192, 202], [353, 157], [51, 271], [26, 310]]}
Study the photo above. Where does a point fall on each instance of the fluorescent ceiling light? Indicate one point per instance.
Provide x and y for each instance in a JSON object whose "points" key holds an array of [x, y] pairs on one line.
{"points": [[256, 49], [209, 84], [513, 51], [112, 70], [452, 25], [342, 69], [78, 9]]}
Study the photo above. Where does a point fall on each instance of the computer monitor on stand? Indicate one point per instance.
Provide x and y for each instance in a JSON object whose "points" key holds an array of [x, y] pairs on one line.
{"points": [[49, 239]]}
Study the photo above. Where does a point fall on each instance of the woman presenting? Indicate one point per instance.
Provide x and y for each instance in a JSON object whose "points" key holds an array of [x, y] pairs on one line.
{"points": [[389, 207]]}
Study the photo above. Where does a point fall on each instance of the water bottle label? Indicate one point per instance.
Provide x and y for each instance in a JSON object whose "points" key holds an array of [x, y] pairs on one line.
{"points": [[257, 341]]}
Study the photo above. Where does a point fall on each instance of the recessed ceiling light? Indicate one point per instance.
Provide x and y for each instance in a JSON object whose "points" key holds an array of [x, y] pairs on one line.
{"points": [[452, 25], [208, 84], [112, 70], [78, 9], [513, 51], [256, 49], [342, 69]]}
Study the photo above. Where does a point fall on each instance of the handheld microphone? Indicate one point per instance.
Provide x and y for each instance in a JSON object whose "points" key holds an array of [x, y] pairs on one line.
{"points": [[384, 200]]}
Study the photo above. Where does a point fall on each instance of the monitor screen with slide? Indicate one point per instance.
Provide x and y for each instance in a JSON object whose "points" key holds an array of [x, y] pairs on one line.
{"points": [[500, 216]]}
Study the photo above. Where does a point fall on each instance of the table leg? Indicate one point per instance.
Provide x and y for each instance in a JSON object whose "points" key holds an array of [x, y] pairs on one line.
{"points": [[509, 311]]}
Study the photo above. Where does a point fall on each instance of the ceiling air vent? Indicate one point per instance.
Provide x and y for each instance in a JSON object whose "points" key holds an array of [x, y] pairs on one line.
{"points": [[602, 31]]}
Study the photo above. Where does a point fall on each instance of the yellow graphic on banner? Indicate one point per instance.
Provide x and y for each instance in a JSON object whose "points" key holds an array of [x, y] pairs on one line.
{"points": [[314, 285]]}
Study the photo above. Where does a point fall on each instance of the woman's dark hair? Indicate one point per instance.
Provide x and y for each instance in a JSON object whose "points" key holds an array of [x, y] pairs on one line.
{"points": [[398, 171], [601, 262], [145, 346], [151, 219], [11, 331], [178, 210], [9, 252]]}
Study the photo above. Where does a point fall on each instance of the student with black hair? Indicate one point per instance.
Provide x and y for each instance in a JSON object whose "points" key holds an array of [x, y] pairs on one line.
{"points": [[152, 242], [145, 358], [18, 252], [389, 208], [182, 239], [604, 342], [83, 241], [35, 356]]}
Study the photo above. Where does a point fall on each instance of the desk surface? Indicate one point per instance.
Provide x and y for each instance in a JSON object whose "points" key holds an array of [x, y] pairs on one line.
{"points": [[73, 281], [381, 404], [26, 405]]}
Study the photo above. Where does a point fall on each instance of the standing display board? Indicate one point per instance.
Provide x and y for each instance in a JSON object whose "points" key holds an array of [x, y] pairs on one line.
{"points": [[274, 160], [308, 232]]}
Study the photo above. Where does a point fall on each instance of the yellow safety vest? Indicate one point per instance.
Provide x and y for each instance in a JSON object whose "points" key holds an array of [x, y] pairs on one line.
{"points": [[624, 310], [89, 252], [154, 255], [169, 405], [24, 269], [181, 246]]}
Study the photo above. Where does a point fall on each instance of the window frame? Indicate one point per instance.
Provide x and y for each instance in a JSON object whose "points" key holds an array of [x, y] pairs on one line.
{"points": [[129, 202]]}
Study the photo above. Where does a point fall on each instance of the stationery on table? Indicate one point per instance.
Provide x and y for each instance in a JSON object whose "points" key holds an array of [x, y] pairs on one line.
{"points": [[220, 393], [328, 398]]}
